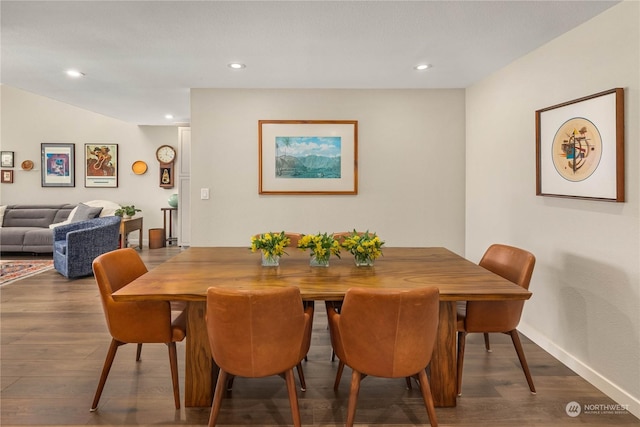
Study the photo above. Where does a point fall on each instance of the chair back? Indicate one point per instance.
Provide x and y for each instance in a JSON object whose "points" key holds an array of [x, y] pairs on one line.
{"points": [[515, 265], [255, 333], [388, 333], [294, 238], [130, 322], [341, 235]]}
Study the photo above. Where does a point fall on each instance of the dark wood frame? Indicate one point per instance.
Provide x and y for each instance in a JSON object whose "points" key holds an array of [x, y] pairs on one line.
{"points": [[6, 176], [617, 135], [348, 187], [71, 148], [170, 168], [8, 164]]}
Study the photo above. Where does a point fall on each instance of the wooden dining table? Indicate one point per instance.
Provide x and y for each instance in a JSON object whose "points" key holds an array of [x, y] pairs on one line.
{"points": [[187, 276]]}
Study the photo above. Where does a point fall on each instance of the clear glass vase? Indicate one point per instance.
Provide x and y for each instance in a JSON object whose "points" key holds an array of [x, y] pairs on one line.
{"points": [[270, 260], [364, 261], [319, 262]]}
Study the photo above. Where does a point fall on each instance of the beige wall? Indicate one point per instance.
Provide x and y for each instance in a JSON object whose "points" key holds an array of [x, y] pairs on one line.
{"points": [[28, 120], [411, 166], [585, 308], [413, 179]]}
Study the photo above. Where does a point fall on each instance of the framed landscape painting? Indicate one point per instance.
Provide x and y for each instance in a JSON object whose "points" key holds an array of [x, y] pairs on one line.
{"points": [[58, 165], [101, 165], [308, 156], [580, 148]]}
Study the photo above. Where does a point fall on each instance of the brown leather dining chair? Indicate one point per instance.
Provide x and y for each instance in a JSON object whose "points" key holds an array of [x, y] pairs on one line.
{"points": [[340, 236], [309, 308], [254, 334], [293, 238], [387, 333], [515, 265], [135, 322]]}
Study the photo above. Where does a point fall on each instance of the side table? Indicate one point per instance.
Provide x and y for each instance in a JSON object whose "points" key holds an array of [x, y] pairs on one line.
{"points": [[168, 212], [126, 227]]}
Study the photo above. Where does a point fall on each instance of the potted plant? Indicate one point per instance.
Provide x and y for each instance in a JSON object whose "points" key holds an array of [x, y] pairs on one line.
{"points": [[272, 246], [365, 247], [322, 246], [127, 212]]}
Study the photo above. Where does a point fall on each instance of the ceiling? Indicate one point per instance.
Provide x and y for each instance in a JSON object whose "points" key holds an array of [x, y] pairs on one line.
{"points": [[140, 58]]}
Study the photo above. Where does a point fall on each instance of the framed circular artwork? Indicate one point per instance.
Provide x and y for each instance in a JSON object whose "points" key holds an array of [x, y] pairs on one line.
{"points": [[577, 149]]}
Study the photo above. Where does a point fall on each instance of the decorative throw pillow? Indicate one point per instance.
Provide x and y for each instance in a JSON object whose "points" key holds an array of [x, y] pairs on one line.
{"points": [[108, 208], [66, 221], [2, 209], [85, 212]]}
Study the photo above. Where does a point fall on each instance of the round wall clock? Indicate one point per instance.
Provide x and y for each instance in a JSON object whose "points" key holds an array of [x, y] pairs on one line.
{"points": [[166, 154]]}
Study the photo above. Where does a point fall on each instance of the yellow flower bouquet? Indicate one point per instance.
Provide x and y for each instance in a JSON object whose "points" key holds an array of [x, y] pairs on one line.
{"points": [[322, 246], [272, 246], [365, 247]]}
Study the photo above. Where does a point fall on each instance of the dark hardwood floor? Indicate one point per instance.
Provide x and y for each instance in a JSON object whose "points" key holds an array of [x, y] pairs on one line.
{"points": [[54, 341]]}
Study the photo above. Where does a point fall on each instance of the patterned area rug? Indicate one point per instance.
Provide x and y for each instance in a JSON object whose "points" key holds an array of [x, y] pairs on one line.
{"points": [[13, 270]]}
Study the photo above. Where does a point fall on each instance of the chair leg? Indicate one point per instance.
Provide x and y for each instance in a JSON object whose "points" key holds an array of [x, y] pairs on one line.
{"points": [[230, 382], [427, 397], [138, 352], [293, 398], [111, 354], [353, 397], [487, 346], [462, 338], [523, 361], [336, 383], [173, 361], [217, 397], [408, 381], [303, 384]]}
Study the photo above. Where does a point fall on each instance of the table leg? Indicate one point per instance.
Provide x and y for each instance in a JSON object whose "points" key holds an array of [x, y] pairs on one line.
{"points": [[140, 236], [200, 370], [443, 361]]}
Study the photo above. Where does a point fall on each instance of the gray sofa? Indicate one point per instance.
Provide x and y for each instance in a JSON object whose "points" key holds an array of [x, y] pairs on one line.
{"points": [[25, 228]]}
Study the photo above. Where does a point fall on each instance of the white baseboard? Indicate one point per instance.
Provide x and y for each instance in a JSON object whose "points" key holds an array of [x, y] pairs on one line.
{"points": [[596, 379]]}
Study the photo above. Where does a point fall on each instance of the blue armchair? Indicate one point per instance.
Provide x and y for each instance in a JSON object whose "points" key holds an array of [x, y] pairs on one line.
{"points": [[76, 245]]}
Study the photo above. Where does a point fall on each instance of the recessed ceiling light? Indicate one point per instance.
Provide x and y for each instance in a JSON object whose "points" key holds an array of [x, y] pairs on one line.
{"points": [[74, 73], [236, 65], [422, 67], [168, 116]]}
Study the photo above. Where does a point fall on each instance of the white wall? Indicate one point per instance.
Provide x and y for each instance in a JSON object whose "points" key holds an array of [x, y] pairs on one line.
{"points": [[411, 166], [585, 308], [28, 120]]}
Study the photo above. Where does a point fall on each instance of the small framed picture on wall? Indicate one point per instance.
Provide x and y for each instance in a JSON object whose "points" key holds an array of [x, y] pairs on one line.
{"points": [[7, 159], [7, 176]]}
